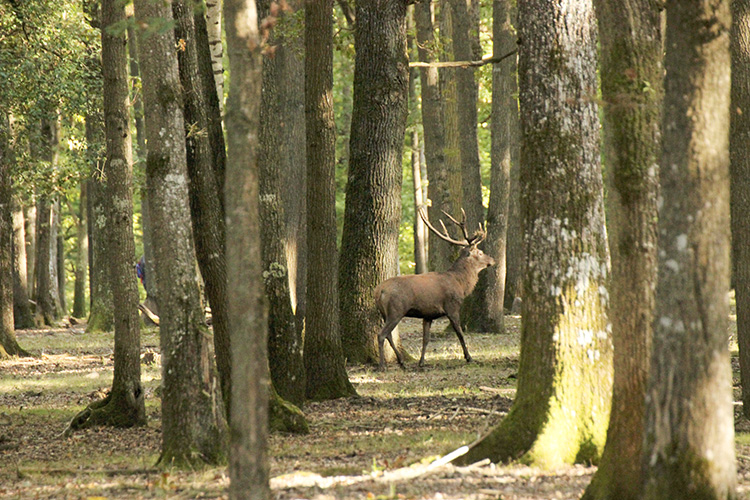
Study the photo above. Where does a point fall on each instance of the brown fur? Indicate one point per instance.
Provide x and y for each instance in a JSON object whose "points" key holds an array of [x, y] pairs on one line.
{"points": [[429, 296]]}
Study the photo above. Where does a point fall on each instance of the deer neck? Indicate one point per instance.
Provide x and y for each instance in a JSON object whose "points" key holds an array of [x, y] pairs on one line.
{"points": [[466, 275]]}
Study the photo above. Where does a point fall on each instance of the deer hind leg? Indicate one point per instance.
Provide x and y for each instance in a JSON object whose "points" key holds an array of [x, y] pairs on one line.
{"points": [[456, 324], [425, 338], [384, 334]]}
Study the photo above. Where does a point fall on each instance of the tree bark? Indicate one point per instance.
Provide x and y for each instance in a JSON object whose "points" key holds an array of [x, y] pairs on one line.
{"points": [[433, 124], [485, 309], [82, 257], [323, 355], [101, 306], [206, 207], [689, 441], [740, 188], [372, 217], [276, 151], [193, 424], [248, 466], [631, 72], [23, 317], [8, 342], [125, 404], [561, 408]]}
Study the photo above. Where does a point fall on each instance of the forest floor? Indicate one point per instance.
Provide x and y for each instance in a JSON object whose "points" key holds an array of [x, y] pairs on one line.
{"points": [[378, 446]]}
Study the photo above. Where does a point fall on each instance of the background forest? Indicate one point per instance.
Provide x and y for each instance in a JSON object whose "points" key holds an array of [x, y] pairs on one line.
{"points": [[265, 184]]}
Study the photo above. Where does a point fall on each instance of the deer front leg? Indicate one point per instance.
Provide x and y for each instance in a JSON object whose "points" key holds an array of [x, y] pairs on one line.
{"points": [[425, 338], [456, 324]]}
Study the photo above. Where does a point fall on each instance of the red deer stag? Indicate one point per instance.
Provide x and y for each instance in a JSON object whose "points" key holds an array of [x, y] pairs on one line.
{"points": [[432, 295]]}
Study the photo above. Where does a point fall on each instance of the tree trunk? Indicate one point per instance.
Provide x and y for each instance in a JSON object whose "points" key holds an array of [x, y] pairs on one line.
{"points": [[689, 442], [284, 338], [631, 60], [60, 258], [193, 425], [372, 217], [23, 317], [30, 227], [740, 188], [213, 31], [101, 307], [433, 124], [323, 355], [47, 296], [453, 196], [8, 343], [206, 205], [124, 406], [248, 466], [561, 408], [485, 309], [82, 258]]}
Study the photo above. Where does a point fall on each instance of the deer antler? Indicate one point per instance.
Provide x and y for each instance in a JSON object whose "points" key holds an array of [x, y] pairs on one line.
{"points": [[474, 240]]}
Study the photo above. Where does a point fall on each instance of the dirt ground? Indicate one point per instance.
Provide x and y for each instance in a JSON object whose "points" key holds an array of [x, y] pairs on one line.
{"points": [[381, 445]]}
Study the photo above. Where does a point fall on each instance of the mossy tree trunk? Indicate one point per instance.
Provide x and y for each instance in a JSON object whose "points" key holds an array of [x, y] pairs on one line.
{"points": [[248, 466], [101, 312], [372, 217], [561, 409], [689, 441], [125, 404], [631, 47], [193, 420], [739, 150], [323, 356]]}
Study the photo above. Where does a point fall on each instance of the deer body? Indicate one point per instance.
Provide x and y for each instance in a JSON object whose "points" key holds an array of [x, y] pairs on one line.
{"points": [[430, 296]]}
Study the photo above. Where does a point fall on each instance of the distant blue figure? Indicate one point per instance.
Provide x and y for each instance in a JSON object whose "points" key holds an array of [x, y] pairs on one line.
{"points": [[140, 270]]}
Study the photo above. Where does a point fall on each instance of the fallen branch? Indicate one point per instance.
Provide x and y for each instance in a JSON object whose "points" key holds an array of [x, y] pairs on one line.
{"points": [[461, 64], [149, 314]]}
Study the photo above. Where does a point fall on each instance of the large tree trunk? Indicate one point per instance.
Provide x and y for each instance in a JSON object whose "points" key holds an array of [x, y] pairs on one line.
{"points": [[248, 466], [276, 151], [323, 355], [631, 58], [739, 150], [124, 406], [369, 247], [561, 409], [433, 124], [689, 443], [101, 307], [193, 423], [8, 343]]}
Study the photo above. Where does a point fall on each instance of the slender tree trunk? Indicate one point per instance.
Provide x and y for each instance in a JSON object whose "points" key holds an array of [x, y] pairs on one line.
{"points": [[82, 258], [284, 338], [60, 258], [486, 308], [213, 31], [124, 406], [193, 423], [689, 442], [740, 187], [323, 355], [561, 409], [631, 59], [206, 205], [23, 317], [30, 229], [248, 466], [433, 124]]}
